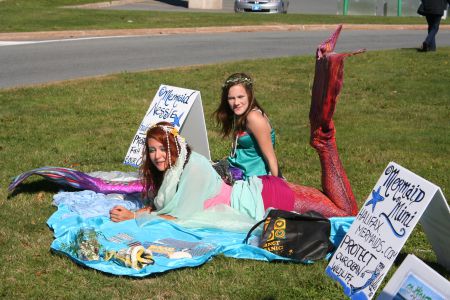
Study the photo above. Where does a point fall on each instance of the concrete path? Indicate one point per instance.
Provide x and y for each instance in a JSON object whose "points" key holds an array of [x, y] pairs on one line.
{"points": [[71, 34]]}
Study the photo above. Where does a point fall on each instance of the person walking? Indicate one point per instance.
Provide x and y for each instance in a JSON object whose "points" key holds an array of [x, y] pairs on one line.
{"points": [[432, 10]]}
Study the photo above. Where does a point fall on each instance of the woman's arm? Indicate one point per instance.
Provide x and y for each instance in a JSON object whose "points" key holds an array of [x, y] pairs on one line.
{"points": [[198, 182], [258, 125], [119, 213]]}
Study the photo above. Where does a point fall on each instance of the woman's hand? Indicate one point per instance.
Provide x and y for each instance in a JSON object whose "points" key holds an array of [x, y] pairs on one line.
{"points": [[119, 213]]}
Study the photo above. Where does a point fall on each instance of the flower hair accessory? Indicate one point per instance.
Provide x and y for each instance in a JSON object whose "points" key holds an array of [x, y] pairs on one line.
{"points": [[236, 80], [174, 132]]}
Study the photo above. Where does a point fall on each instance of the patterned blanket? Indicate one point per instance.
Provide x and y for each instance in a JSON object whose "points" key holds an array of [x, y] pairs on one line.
{"points": [[94, 241]]}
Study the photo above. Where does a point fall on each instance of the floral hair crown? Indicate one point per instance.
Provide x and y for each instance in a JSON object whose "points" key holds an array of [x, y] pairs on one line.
{"points": [[180, 143], [236, 80]]}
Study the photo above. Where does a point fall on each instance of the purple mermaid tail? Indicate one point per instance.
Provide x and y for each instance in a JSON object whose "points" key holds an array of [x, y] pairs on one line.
{"points": [[79, 180]]}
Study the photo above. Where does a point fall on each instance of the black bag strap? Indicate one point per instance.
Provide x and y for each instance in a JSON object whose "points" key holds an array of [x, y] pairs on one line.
{"points": [[252, 229], [289, 215]]}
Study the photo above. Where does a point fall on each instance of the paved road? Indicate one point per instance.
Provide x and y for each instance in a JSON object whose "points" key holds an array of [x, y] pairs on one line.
{"points": [[60, 60]]}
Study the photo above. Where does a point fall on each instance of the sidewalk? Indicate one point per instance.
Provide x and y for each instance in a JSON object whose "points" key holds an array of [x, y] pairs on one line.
{"points": [[182, 5], [72, 34]]}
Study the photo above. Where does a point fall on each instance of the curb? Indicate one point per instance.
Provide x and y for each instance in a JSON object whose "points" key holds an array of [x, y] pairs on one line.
{"points": [[98, 5], [72, 34]]}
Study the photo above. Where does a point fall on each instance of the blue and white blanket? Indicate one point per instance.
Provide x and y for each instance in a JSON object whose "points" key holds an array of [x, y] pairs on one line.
{"points": [[173, 246]]}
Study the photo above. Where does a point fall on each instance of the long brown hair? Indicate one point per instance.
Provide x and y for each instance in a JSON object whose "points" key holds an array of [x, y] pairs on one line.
{"points": [[152, 178], [224, 115]]}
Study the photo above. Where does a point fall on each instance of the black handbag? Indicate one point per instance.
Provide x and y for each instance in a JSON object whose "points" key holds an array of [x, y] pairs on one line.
{"points": [[421, 10], [297, 236]]}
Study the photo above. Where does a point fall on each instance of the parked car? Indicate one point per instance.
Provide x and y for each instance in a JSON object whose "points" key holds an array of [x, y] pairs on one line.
{"points": [[261, 6]]}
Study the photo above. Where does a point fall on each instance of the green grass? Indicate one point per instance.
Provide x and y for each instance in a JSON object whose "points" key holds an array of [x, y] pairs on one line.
{"points": [[43, 15], [395, 106]]}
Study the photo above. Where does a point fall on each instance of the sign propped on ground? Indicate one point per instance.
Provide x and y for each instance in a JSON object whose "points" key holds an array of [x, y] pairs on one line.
{"points": [[398, 201], [181, 107]]}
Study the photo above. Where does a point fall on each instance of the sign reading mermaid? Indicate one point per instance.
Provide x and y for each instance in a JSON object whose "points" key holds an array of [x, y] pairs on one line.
{"points": [[382, 227], [181, 107]]}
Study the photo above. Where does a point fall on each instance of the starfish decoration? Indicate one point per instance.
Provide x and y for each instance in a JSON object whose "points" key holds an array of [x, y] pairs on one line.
{"points": [[376, 197], [176, 120]]}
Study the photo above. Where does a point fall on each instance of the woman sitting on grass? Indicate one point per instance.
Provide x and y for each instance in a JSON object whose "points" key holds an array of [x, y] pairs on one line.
{"points": [[240, 115]]}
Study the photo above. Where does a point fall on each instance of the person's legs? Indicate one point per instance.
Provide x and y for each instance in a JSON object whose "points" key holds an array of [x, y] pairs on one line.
{"points": [[433, 28], [339, 198]]}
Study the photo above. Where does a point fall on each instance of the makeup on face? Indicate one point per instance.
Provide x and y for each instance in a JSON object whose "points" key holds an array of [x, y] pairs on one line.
{"points": [[238, 99], [158, 154]]}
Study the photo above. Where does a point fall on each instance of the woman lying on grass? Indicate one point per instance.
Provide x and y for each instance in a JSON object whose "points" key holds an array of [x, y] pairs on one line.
{"points": [[184, 182]]}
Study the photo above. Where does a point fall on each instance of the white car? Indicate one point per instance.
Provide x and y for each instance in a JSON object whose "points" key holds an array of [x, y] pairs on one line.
{"points": [[261, 6]]}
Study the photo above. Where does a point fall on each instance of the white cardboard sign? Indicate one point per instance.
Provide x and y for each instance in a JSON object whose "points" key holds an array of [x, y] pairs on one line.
{"points": [[181, 107], [436, 224], [380, 230], [415, 280]]}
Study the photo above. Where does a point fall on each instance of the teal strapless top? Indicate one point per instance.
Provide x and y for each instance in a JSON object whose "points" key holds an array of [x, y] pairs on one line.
{"points": [[248, 156]]}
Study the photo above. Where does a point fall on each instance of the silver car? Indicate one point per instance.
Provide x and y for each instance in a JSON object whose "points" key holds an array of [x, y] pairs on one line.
{"points": [[262, 6]]}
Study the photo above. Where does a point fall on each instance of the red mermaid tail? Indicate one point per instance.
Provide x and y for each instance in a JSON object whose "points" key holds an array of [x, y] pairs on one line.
{"points": [[328, 78], [337, 198]]}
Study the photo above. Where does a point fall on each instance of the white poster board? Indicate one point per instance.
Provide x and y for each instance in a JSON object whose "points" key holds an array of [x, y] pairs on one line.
{"points": [[181, 107], [380, 230], [415, 280], [436, 225]]}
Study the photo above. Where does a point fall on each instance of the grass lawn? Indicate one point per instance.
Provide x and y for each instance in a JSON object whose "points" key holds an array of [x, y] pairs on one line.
{"points": [[395, 106], [44, 15]]}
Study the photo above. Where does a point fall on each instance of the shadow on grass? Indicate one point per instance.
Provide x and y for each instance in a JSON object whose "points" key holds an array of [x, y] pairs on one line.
{"points": [[179, 3], [417, 49], [39, 186], [435, 266], [153, 275]]}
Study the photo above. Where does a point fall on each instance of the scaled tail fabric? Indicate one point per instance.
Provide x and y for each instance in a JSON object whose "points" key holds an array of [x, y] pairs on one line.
{"points": [[328, 78], [336, 197], [79, 180]]}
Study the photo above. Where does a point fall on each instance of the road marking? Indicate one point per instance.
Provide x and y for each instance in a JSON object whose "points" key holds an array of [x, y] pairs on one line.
{"points": [[15, 43], [2, 43]]}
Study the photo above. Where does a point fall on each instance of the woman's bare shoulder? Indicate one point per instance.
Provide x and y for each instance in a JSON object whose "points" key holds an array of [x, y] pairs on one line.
{"points": [[255, 116], [256, 120]]}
